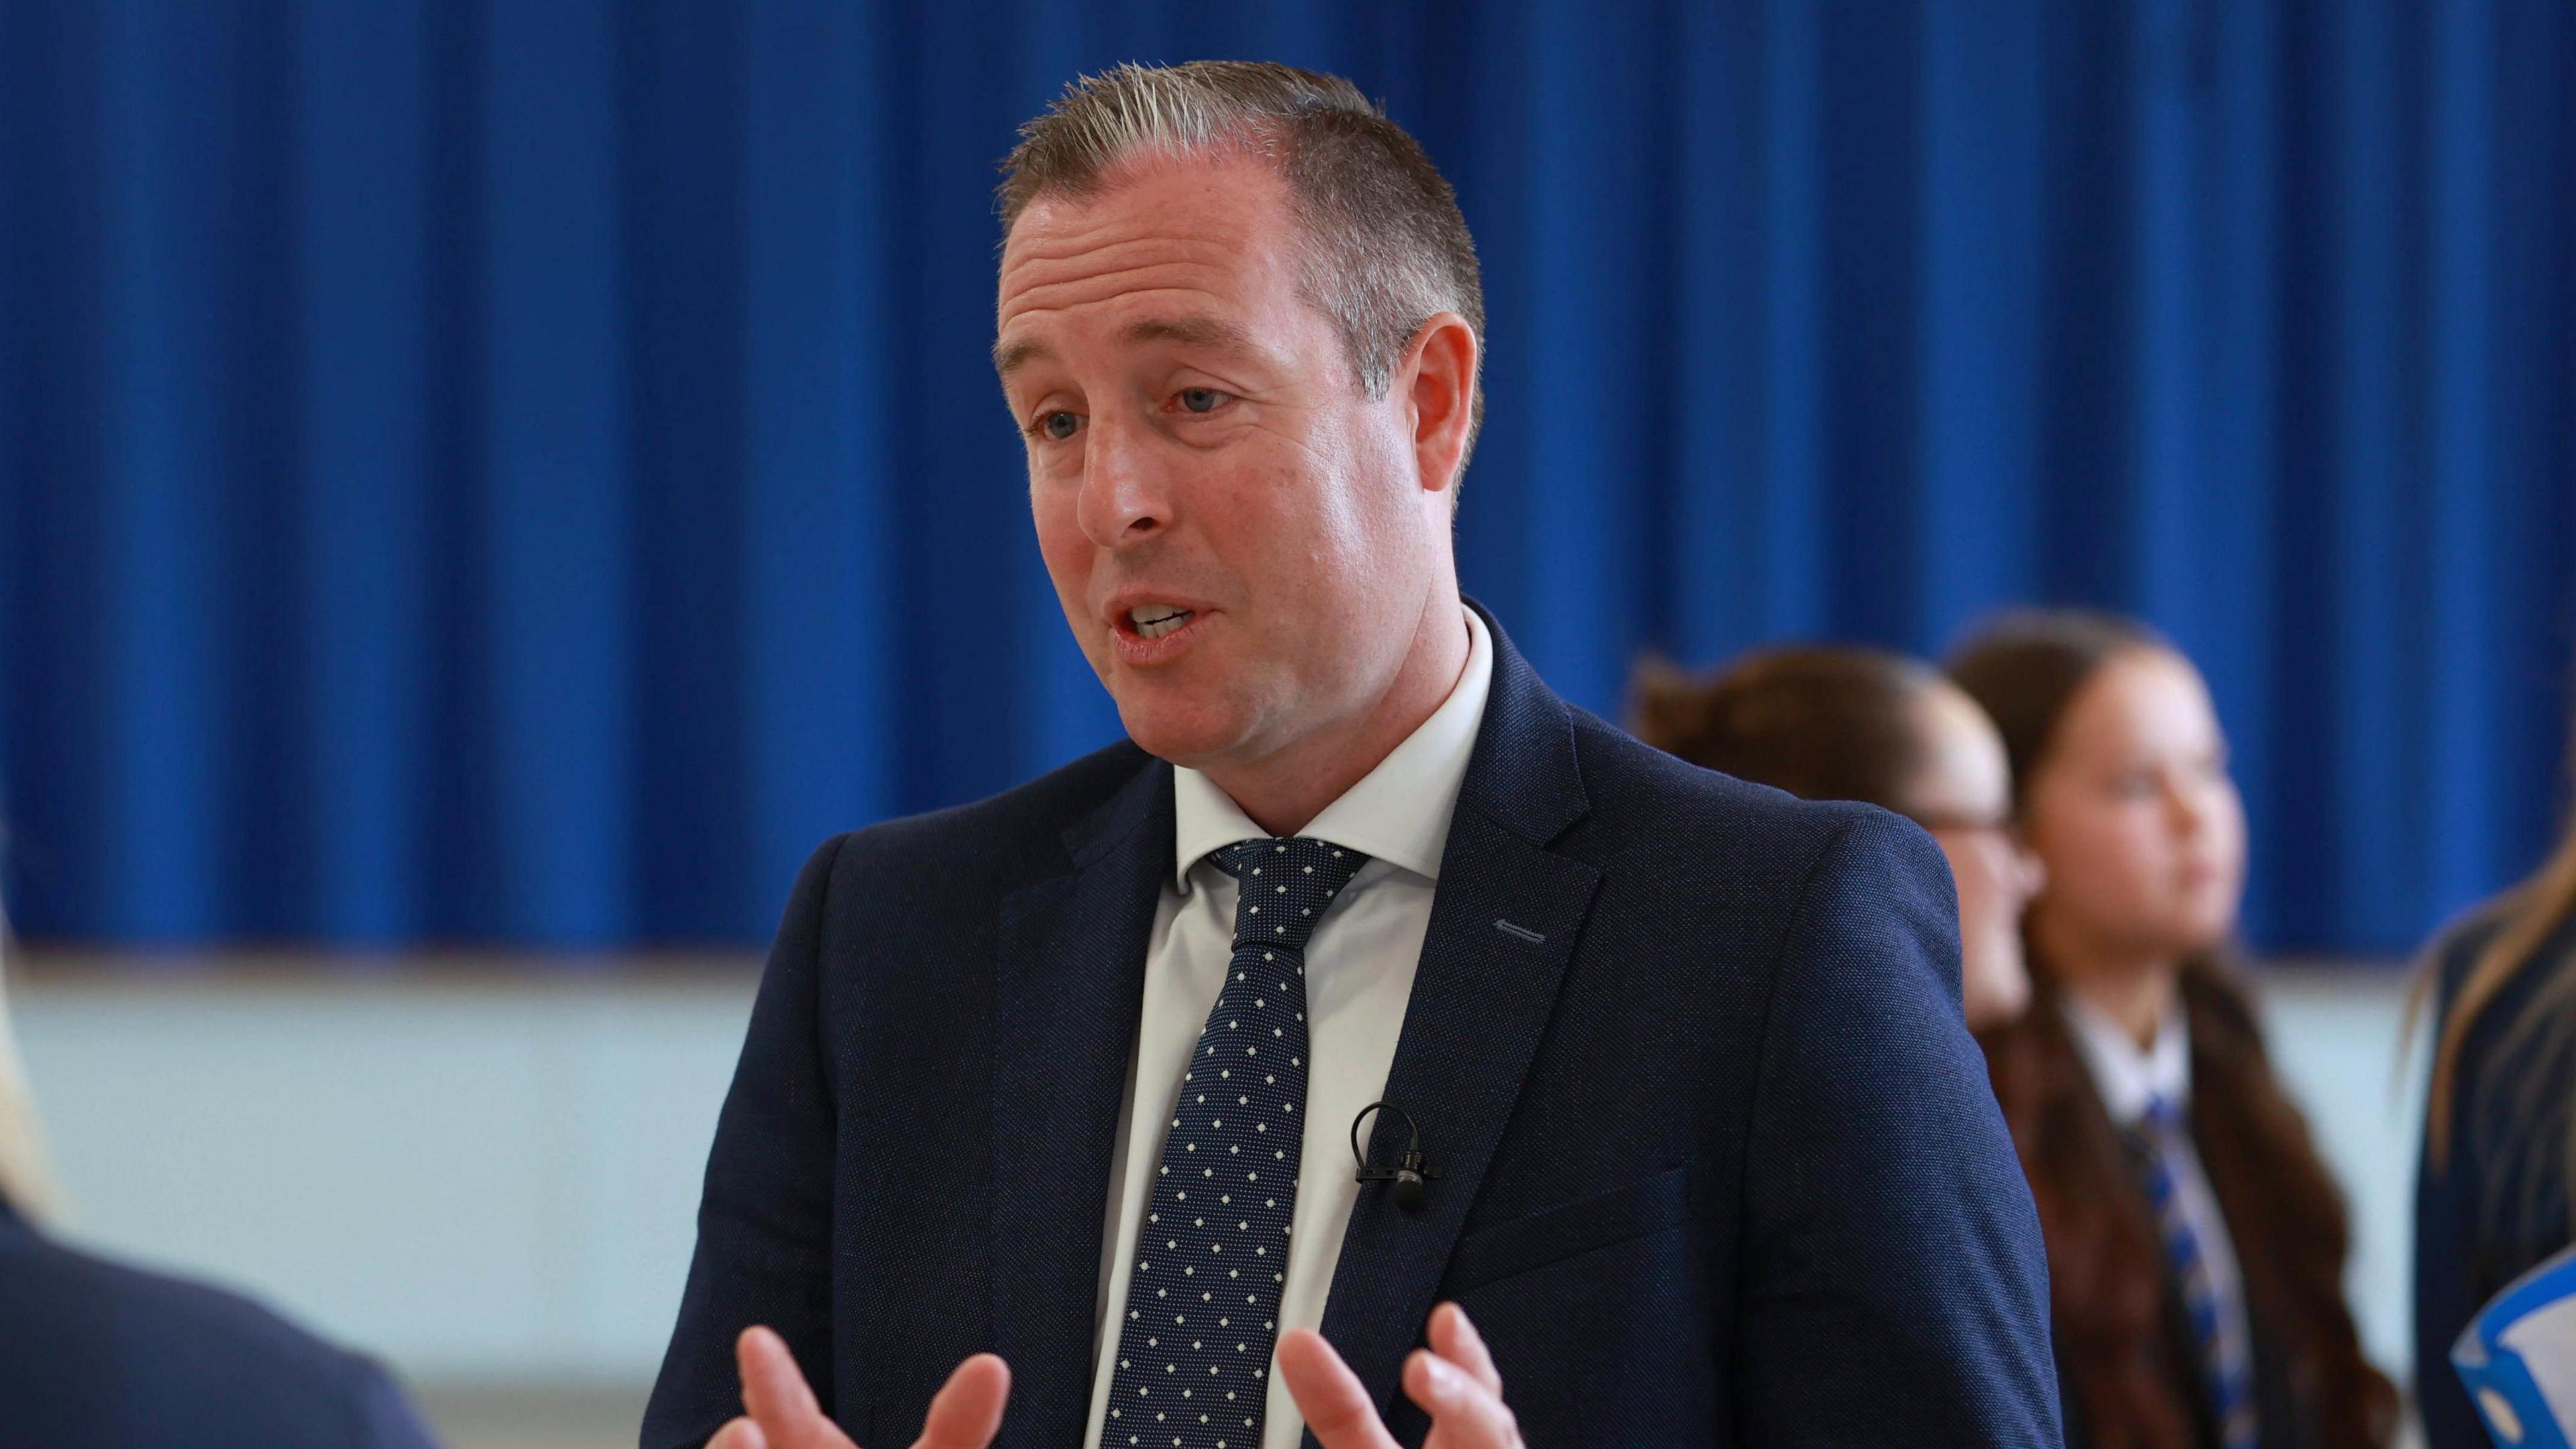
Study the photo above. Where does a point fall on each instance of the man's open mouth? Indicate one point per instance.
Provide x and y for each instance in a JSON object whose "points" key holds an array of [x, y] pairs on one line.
{"points": [[1153, 621]]}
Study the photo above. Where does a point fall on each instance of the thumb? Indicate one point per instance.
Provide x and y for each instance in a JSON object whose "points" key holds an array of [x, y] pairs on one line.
{"points": [[775, 1392]]}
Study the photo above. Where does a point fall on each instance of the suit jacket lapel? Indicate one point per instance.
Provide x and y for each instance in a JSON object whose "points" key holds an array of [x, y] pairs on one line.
{"points": [[1069, 985], [1503, 924]]}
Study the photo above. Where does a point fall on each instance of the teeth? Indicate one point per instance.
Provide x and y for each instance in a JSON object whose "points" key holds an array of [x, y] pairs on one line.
{"points": [[1153, 621]]}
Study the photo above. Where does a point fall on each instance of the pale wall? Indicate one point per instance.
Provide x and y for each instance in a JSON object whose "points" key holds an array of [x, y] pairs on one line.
{"points": [[488, 1175]]}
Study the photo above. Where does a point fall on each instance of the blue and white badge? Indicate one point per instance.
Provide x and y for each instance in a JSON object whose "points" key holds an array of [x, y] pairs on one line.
{"points": [[2518, 1358]]}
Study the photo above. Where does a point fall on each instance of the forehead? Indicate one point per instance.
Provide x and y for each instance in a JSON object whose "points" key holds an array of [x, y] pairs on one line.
{"points": [[2146, 697], [1193, 235]]}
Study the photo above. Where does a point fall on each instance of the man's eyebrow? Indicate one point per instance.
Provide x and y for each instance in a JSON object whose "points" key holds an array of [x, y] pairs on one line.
{"points": [[1007, 359], [1193, 330]]}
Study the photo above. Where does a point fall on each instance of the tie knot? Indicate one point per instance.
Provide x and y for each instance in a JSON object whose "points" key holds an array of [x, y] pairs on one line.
{"points": [[1285, 884], [2157, 1125], [2161, 1115]]}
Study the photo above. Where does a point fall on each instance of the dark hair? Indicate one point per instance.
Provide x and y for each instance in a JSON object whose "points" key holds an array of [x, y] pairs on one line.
{"points": [[1388, 247], [1826, 723], [2025, 668], [2105, 1265]]}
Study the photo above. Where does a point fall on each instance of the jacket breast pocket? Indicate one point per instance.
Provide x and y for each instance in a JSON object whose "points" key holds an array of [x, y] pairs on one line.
{"points": [[1631, 1210]]}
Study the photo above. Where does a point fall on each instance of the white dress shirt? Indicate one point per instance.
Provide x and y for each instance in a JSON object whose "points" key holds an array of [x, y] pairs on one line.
{"points": [[1359, 978], [2126, 1078]]}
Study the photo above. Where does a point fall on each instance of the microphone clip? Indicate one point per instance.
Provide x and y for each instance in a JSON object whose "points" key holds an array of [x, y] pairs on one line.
{"points": [[1411, 1175]]}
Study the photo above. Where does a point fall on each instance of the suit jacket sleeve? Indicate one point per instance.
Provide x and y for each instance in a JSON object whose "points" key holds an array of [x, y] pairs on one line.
{"points": [[1895, 1287], [765, 1216]]}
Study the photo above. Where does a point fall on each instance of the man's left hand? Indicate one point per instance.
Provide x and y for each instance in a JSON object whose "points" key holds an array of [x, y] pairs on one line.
{"points": [[1454, 1381]]}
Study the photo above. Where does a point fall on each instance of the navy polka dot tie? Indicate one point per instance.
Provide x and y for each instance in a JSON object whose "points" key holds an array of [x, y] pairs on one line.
{"points": [[1212, 1254]]}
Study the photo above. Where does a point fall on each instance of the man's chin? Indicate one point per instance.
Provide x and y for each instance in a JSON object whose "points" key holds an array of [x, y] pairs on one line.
{"points": [[1193, 738]]}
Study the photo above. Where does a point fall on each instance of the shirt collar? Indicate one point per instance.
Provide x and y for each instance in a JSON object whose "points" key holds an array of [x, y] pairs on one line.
{"points": [[1398, 813], [2125, 1076]]}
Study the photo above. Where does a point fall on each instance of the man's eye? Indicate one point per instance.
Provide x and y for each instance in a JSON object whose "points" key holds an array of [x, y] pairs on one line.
{"points": [[1059, 425], [1201, 399]]}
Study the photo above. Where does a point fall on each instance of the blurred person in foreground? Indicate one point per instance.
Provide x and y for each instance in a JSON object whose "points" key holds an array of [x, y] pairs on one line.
{"points": [[2196, 1241], [95, 1355], [1066, 1080], [1843, 723], [2491, 1193]]}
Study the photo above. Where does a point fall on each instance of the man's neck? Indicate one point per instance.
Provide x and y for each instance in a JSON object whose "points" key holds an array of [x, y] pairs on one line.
{"points": [[1284, 792]]}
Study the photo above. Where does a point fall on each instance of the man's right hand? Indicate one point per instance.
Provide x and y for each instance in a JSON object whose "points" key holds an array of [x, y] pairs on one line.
{"points": [[781, 1413]]}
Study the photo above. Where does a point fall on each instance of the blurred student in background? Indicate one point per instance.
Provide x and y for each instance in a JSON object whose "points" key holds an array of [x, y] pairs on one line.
{"points": [[1829, 723], [98, 1356], [2196, 1241], [2491, 1196], [26, 1181]]}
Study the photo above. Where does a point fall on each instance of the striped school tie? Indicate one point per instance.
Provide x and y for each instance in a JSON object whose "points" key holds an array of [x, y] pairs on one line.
{"points": [[2226, 1360]]}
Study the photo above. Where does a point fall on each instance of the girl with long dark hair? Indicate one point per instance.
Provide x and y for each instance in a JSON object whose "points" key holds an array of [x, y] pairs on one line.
{"points": [[2491, 1196], [2196, 1241]]}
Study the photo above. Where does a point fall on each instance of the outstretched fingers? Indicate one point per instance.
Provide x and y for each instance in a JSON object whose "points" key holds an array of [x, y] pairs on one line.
{"points": [[968, 1411], [1464, 1413], [782, 1406], [1454, 1337], [1330, 1397], [1456, 1383]]}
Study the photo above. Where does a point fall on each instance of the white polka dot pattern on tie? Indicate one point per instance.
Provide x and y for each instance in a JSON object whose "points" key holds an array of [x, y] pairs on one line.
{"points": [[1203, 1304]]}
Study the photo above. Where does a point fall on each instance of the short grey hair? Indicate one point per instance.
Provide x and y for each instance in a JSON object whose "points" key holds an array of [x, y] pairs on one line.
{"points": [[1388, 249]]}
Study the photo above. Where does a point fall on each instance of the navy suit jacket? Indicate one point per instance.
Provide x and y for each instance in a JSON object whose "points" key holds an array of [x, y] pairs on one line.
{"points": [[98, 1356], [1721, 1163]]}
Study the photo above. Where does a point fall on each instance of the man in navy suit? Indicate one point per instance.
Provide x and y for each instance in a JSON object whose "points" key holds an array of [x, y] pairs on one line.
{"points": [[1039, 1135]]}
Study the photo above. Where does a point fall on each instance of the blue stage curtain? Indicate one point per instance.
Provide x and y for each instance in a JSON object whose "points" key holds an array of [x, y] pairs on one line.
{"points": [[523, 471]]}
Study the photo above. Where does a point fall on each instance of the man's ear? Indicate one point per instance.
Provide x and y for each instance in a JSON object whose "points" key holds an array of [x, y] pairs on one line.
{"points": [[1438, 378]]}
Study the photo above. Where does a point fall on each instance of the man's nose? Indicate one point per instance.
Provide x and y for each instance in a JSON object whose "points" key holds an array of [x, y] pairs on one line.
{"points": [[1124, 500]]}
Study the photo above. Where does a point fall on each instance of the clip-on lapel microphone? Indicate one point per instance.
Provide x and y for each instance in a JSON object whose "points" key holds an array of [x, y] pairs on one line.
{"points": [[1410, 1173]]}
